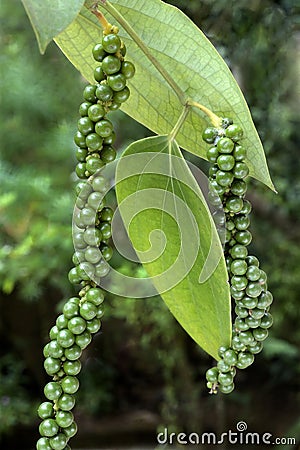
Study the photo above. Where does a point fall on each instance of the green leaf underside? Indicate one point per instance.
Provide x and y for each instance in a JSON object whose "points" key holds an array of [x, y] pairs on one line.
{"points": [[202, 309], [49, 17], [188, 56]]}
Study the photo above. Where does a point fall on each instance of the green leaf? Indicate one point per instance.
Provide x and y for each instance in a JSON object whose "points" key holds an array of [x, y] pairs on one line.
{"points": [[49, 17], [171, 229], [188, 56]]}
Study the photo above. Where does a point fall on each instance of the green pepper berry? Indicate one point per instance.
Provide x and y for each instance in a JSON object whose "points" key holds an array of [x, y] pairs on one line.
{"points": [[236, 294], [255, 347], [80, 170], [106, 214], [108, 154], [93, 164], [265, 300], [239, 251], [243, 237], [65, 338], [70, 384], [240, 170], [76, 325], [260, 334], [225, 379], [111, 65], [104, 128], [266, 321], [71, 430], [226, 389], [252, 322], [240, 324], [128, 69], [52, 390], [209, 135], [253, 289], [43, 444], [234, 204], [212, 154], [81, 154], [234, 132], [223, 366], [252, 261], [79, 139], [225, 145], [99, 74], [249, 302], [72, 367], [121, 96], [48, 428], [230, 357], [212, 374], [85, 125], [242, 222], [66, 402], [71, 309], [111, 43], [117, 82], [241, 312], [104, 92], [238, 187], [237, 345], [224, 178], [245, 359], [96, 112], [83, 339], [253, 273], [59, 442], [52, 365], [246, 337], [226, 162], [89, 93], [61, 322], [239, 282], [98, 52], [92, 255], [239, 153], [83, 108], [64, 418], [45, 410], [238, 267], [93, 142], [93, 325]]}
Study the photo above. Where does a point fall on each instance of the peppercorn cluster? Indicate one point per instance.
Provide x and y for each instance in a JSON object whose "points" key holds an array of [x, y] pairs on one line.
{"points": [[81, 315], [248, 282]]}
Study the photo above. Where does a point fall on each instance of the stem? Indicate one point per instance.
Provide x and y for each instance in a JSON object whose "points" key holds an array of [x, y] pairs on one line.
{"points": [[215, 120], [127, 27], [179, 122]]}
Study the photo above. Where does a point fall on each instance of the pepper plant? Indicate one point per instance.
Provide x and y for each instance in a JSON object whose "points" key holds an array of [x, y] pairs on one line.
{"points": [[149, 60]]}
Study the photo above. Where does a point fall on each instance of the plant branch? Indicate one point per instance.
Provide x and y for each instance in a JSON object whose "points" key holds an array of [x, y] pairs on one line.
{"points": [[215, 120], [179, 122]]}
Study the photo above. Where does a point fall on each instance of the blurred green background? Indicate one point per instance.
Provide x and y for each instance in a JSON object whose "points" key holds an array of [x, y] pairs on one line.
{"points": [[142, 372]]}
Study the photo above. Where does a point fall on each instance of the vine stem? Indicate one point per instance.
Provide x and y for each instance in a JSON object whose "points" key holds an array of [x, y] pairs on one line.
{"points": [[215, 120], [179, 122], [127, 27]]}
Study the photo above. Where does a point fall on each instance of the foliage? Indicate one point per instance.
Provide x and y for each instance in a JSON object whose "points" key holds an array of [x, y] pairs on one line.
{"points": [[42, 94], [157, 177]]}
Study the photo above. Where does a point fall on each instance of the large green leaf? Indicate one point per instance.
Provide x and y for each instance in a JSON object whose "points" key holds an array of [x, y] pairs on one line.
{"points": [[50, 17], [170, 227], [188, 56]]}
